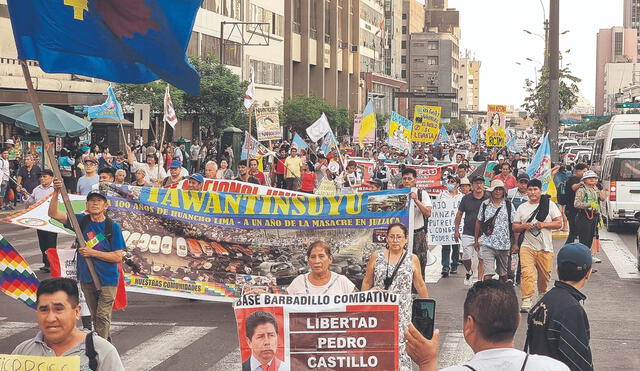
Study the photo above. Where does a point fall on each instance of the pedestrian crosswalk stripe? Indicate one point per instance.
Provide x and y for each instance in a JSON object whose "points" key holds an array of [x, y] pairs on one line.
{"points": [[230, 362], [156, 350], [12, 328], [619, 255]]}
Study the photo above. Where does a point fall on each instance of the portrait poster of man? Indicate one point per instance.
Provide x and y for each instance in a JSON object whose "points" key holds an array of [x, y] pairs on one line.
{"points": [[262, 346]]}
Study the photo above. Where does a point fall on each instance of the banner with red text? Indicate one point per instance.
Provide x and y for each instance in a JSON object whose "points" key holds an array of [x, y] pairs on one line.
{"points": [[355, 331]]}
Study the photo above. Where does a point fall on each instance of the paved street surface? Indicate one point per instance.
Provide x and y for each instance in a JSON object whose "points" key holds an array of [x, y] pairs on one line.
{"points": [[161, 333]]}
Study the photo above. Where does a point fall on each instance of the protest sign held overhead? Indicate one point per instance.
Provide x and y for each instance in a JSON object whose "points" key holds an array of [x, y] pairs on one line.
{"points": [[426, 123], [339, 332], [268, 123], [496, 136], [400, 132]]}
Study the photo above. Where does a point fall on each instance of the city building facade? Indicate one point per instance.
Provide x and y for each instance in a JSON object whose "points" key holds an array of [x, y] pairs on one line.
{"points": [[469, 95], [412, 22]]}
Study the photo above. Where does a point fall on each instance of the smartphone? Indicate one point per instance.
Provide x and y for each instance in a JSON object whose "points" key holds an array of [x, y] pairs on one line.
{"points": [[423, 316]]}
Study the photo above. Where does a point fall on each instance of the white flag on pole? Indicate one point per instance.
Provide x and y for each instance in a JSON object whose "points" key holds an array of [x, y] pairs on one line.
{"points": [[250, 94], [169, 113], [319, 129]]}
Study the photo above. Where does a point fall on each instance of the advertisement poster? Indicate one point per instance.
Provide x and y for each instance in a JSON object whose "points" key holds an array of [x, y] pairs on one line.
{"points": [[267, 123], [442, 221], [369, 139], [208, 245], [400, 132], [357, 331], [426, 123], [496, 135]]}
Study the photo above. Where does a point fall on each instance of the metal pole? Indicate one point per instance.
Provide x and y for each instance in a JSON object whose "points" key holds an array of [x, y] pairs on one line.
{"points": [[554, 77], [222, 42], [46, 144]]}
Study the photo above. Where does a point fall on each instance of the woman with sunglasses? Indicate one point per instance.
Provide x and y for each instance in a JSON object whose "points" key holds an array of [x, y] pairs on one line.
{"points": [[395, 270]]}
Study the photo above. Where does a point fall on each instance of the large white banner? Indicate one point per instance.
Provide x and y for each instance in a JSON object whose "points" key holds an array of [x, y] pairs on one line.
{"points": [[442, 221]]}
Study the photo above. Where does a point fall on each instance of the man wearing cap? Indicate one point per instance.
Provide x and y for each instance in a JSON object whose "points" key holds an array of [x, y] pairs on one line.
{"points": [[174, 174], [519, 195], [465, 186], [587, 204], [558, 326], [493, 233], [90, 177], [196, 182], [536, 218], [46, 240], [469, 208], [106, 248]]}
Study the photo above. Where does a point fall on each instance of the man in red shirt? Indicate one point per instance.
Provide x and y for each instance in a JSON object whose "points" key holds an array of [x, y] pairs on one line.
{"points": [[506, 176], [254, 172], [280, 169]]}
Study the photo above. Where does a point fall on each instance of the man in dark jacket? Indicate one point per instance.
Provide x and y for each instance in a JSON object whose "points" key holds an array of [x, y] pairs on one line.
{"points": [[558, 324]]}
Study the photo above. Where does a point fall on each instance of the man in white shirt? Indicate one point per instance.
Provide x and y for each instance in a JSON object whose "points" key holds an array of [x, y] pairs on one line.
{"points": [[491, 319], [536, 219], [153, 172], [5, 169], [423, 205]]}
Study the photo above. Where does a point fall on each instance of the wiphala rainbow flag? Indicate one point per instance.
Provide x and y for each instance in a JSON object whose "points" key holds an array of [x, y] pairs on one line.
{"points": [[16, 277]]}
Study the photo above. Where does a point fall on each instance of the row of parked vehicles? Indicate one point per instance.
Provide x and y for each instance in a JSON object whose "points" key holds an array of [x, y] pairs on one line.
{"points": [[615, 156]]}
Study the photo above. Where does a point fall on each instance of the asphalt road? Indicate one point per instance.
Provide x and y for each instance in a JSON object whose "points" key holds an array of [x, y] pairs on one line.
{"points": [[162, 333]]}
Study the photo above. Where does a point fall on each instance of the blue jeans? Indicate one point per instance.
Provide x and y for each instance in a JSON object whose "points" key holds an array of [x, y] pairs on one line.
{"points": [[450, 255]]}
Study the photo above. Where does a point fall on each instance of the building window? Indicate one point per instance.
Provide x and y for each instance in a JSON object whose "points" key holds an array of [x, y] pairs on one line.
{"points": [[267, 73], [403, 59], [403, 74], [432, 45], [404, 44], [275, 21], [618, 44], [432, 61], [404, 15], [404, 30], [297, 17]]}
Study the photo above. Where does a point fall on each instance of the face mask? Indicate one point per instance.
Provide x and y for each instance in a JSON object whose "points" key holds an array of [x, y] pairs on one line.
{"points": [[451, 186]]}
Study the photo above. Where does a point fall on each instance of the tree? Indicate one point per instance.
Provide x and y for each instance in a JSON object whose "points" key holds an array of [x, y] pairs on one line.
{"points": [[456, 126], [219, 104], [537, 102], [300, 112]]}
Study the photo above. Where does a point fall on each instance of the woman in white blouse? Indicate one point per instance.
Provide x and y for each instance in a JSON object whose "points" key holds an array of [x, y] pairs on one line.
{"points": [[320, 280]]}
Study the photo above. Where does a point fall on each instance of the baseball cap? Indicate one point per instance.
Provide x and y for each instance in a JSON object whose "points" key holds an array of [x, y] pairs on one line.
{"points": [[465, 181], [496, 183], [576, 253], [197, 177], [477, 178], [96, 194], [9, 141], [523, 177], [90, 159], [175, 164]]}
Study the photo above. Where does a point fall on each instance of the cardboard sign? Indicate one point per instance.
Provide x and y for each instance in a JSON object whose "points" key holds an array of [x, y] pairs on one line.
{"points": [[426, 123], [16, 362]]}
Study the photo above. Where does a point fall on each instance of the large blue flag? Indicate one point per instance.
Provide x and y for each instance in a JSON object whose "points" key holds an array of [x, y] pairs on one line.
{"points": [[328, 142], [474, 133], [126, 41], [299, 142], [110, 108], [540, 166], [443, 136]]}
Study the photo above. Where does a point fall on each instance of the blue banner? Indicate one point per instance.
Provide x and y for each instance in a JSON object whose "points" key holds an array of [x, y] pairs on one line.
{"points": [[540, 166], [111, 108]]}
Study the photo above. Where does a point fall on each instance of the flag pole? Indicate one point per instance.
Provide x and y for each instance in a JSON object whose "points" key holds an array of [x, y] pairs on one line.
{"points": [[46, 143]]}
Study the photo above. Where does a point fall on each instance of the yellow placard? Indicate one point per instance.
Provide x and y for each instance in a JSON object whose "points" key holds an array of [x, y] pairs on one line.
{"points": [[426, 123], [16, 362], [496, 136]]}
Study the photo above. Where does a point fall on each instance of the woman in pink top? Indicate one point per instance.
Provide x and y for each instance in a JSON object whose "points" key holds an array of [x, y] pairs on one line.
{"points": [[320, 280]]}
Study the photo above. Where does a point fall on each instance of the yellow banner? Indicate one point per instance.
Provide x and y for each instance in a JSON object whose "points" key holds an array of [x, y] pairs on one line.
{"points": [[496, 136], [426, 123], [16, 362]]}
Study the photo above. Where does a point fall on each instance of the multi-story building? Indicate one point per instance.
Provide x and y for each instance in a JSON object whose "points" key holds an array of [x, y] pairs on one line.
{"points": [[469, 91], [440, 18], [434, 68], [614, 45], [618, 76], [322, 51], [412, 22], [393, 38], [631, 17]]}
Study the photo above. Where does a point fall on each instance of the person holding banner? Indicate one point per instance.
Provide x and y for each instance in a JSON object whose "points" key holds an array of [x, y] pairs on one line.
{"points": [[422, 211], [174, 174], [393, 270], [451, 253], [57, 311], [320, 280], [469, 208]]}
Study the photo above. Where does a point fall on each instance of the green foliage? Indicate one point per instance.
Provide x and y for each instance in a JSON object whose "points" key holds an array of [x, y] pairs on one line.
{"points": [[300, 112], [537, 102], [456, 126], [382, 119], [590, 125], [218, 106]]}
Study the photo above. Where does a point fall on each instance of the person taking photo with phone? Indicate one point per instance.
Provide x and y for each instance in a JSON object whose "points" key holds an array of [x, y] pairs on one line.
{"points": [[396, 270]]}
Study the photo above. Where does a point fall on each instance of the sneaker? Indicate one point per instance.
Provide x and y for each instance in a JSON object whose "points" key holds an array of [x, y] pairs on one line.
{"points": [[445, 272], [527, 303], [454, 269], [596, 260], [467, 278]]}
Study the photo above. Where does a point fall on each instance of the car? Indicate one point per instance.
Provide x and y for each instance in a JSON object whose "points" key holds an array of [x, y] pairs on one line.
{"points": [[564, 146], [623, 131], [583, 156], [621, 183], [572, 153]]}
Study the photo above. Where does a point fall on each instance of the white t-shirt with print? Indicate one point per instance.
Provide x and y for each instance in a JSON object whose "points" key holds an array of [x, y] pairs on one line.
{"points": [[544, 241]]}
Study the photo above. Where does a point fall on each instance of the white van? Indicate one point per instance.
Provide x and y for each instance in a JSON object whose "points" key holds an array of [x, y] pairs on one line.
{"points": [[623, 131], [621, 182]]}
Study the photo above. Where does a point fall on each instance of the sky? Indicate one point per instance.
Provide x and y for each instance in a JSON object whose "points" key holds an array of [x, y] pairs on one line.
{"points": [[493, 31]]}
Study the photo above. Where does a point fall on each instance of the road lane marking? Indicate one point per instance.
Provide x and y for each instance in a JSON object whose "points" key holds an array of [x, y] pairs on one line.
{"points": [[619, 255], [11, 328], [432, 272], [156, 350], [230, 362]]}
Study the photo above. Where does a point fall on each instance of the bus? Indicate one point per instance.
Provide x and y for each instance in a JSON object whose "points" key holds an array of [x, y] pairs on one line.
{"points": [[623, 131]]}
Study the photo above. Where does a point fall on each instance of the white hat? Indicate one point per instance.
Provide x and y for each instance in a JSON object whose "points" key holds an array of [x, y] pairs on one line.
{"points": [[9, 141], [589, 174], [496, 183], [465, 181]]}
